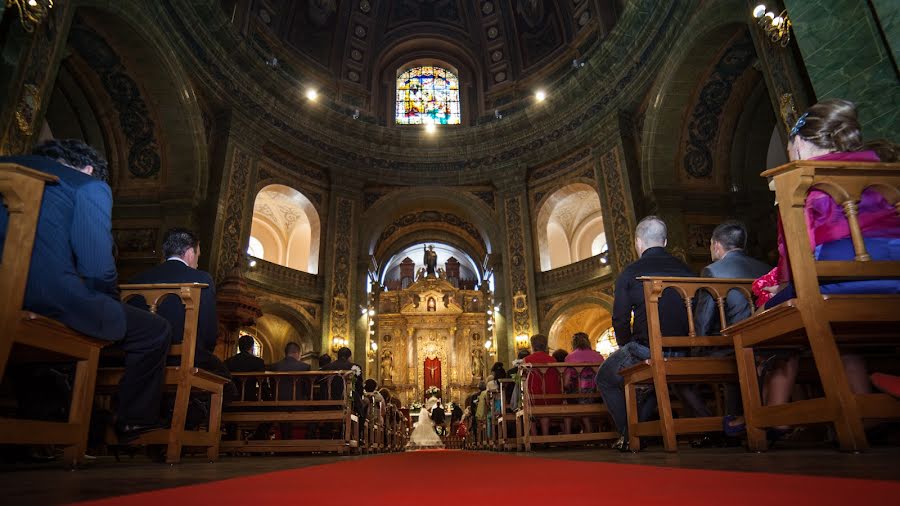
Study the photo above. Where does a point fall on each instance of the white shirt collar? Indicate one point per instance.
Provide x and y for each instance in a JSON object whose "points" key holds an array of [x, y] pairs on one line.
{"points": [[179, 259]]}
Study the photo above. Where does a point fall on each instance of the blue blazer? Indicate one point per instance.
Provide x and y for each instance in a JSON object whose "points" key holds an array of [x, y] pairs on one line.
{"points": [[72, 277], [173, 271]]}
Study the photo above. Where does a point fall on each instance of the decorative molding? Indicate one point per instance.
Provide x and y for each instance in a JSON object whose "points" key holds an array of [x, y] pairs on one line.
{"points": [[144, 159], [431, 217], [574, 275], [340, 279], [518, 266], [555, 169], [702, 130], [233, 217], [136, 242], [619, 209]]}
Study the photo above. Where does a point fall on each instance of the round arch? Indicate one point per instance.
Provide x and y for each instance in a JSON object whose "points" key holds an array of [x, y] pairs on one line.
{"points": [[561, 222], [289, 214], [592, 317]]}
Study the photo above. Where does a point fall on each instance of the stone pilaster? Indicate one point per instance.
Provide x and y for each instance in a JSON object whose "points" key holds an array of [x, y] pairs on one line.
{"points": [[27, 75], [519, 265], [338, 317]]}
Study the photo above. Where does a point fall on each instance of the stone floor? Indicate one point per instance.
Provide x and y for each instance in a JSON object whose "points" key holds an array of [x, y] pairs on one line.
{"points": [[47, 484]]}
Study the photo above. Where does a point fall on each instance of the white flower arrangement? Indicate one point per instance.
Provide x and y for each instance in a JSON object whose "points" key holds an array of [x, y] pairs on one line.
{"points": [[356, 370], [432, 391], [415, 405]]}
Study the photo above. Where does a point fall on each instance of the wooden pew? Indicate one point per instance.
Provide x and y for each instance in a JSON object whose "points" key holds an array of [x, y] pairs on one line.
{"points": [[820, 322], [660, 371], [536, 406], [505, 441], [310, 401], [40, 339], [184, 378]]}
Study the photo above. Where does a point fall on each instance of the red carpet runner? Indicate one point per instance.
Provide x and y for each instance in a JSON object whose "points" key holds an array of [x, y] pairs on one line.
{"points": [[482, 478]]}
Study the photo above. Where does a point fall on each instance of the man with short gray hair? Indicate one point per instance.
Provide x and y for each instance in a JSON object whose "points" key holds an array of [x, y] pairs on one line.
{"points": [[629, 318]]}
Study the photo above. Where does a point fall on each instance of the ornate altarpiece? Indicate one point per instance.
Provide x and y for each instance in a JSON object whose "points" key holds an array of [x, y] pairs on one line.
{"points": [[431, 333]]}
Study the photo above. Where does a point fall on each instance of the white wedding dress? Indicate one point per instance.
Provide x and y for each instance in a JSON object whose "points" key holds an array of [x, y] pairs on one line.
{"points": [[423, 435]]}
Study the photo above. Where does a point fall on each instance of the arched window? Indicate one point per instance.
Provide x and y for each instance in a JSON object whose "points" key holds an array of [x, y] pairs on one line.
{"points": [[569, 226], [285, 228], [255, 248], [428, 94]]}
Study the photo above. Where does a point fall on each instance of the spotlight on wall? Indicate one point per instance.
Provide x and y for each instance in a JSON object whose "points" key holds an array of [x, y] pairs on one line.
{"points": [[430, 128], [776, 28], [577, 63], [252, 263], [522, 341], [540, 95], [312, 94]]}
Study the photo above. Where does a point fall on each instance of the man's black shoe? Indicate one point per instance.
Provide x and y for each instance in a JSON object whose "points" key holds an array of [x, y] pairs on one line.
{"points": [[129, 432]]}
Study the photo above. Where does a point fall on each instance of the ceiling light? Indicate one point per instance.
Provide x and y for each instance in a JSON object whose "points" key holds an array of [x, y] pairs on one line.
{"points": [[312, 94], [540, 95], [252, 263], [430, 128], [759, 10]]}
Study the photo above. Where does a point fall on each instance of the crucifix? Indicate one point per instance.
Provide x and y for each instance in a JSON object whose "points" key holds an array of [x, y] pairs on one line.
{"points": [[432, 369]]}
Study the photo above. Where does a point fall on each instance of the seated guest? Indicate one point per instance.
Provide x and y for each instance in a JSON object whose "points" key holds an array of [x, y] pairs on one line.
{"points": [[726, 247], [559, 355], [343, 363], [73, 275], [181, 249], [372, 402], [291, 362], [246, 361], [830, 130], [542, 382], [650, 242], [324, 360], [520, 356], [513, 373], [583, 381]]}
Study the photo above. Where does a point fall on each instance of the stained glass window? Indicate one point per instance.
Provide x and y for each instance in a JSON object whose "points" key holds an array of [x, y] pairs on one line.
{"points": [[428, 95]]}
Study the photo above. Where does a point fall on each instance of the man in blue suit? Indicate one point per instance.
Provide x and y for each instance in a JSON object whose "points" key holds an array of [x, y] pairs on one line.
{"points": [[73, 275]]}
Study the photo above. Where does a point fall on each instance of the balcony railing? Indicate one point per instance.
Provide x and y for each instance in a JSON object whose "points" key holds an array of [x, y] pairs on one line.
{"points": [[281, 278], [574, 275]]}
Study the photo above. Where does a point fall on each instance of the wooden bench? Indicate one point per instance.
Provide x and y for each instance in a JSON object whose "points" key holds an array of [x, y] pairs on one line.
{"points": [[36, 338], [505, 418], [182, 379], [310, 401], [660, 371], [820, 322], [558, 406]]}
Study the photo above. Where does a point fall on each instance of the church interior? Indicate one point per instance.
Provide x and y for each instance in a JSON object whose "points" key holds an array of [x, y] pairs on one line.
{"points": [[392, 202]]}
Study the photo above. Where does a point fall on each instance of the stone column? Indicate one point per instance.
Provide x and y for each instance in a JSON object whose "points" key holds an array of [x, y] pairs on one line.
{"points": [[846, 48], [27, 75]]}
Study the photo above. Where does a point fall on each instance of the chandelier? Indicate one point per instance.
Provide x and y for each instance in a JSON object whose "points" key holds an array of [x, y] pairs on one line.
{"points": [[31, 12], [776, 28]]}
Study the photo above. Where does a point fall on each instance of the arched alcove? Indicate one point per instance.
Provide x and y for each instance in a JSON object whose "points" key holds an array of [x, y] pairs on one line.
{"points": [[568, 224], [591, 318], [287, 225]]}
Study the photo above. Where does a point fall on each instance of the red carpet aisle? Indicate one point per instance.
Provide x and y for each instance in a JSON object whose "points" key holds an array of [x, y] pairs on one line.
{"points": [[408, 476]]}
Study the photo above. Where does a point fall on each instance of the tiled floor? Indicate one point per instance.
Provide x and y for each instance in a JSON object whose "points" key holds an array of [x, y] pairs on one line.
{"points": [[50, 484]]}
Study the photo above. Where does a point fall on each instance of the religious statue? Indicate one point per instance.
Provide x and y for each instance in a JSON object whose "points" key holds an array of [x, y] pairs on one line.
{"points": [[430, 261], [432, 304], [477, 364], [387, 367]]}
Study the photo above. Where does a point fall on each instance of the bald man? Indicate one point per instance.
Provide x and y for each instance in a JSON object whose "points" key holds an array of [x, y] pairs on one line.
{"points": [[650, 242]]}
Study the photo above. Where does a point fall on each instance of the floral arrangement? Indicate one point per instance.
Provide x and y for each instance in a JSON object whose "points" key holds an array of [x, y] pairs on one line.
{"points": [[356, 370], [415, 406], [433, 391]]}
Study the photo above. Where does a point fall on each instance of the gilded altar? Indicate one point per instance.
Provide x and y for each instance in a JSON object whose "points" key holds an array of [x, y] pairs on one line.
{"points": [[431, 333]]}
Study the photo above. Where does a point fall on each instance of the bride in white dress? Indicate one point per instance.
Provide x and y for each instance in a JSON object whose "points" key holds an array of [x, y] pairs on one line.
{"points": [[423, 435]]}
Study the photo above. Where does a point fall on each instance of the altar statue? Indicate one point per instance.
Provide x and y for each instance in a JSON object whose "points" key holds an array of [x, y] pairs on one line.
{"points": [[387, 367], [430, 261]]}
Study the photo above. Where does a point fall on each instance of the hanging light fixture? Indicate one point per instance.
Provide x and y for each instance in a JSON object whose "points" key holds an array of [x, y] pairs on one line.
{"points": [[777, 28], [31, 12]]}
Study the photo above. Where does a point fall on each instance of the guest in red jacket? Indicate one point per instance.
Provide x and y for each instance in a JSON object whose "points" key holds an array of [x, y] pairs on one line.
{"points": [[542, 382]]}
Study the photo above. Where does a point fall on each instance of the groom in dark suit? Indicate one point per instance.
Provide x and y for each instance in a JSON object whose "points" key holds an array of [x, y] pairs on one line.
{"points": [[73, 275]]}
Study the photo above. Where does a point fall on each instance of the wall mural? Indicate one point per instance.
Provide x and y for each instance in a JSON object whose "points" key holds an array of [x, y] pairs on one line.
{"points": [[234, 213], [621, 213], [703, 128], [144, 159], [515, 232], [340, 280]]}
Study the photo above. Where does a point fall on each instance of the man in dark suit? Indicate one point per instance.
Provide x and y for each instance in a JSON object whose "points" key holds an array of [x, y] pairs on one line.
{"points": [[291, 362], [343, 363], [726, 247], [73, 275], [632, 337], [246, 361]]}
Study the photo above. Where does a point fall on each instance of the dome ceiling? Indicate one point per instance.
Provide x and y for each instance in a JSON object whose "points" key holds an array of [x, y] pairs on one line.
{"points": [[495, 44]]}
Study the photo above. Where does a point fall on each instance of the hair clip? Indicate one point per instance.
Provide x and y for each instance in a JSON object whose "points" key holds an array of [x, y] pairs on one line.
{"points": [[799, 124]]}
